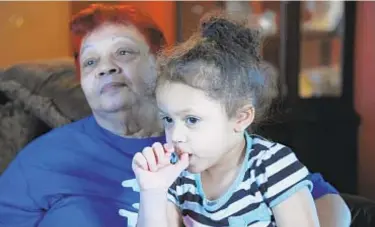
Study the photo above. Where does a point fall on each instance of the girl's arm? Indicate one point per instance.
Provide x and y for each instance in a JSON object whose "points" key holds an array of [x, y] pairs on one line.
{"points": [[298, 210], [174, 216], [157, 177], [156, 210], [285, 185]]}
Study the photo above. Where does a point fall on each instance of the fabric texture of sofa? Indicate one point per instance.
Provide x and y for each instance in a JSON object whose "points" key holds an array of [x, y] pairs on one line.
{"points": [[35, 97]]}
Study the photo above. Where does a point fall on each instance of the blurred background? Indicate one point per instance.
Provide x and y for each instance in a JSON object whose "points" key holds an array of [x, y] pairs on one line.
{"points": [[322, 52]]}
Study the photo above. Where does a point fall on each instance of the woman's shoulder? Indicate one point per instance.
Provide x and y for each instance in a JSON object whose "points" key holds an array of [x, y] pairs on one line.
{"points": [[59, 139]]}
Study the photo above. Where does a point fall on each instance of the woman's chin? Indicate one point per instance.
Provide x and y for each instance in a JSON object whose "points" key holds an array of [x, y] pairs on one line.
{"points": [[115, 105], [118, 102]]}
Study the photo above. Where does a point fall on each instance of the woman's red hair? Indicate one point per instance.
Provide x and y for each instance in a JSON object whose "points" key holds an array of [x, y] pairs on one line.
{"points": [[87, 20]]}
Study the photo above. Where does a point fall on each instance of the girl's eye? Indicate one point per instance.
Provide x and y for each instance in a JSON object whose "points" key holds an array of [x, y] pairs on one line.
{"points": [[167, 120], [192, 120]]}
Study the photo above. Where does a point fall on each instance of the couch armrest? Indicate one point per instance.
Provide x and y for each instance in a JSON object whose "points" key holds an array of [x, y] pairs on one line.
{"points": [[362, 210]]}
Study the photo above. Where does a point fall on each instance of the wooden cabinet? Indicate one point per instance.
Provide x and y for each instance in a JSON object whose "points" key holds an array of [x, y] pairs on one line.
{"points": [[321, 124]]}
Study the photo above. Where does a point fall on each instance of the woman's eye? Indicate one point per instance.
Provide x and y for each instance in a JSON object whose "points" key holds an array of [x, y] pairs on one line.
{"points": [[123, 52], [192, 120], [89, 62], [125, 55]]}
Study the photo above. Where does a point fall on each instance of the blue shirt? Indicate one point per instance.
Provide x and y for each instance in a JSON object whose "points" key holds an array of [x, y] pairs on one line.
{"points": [[72, 177], [321, 187]]}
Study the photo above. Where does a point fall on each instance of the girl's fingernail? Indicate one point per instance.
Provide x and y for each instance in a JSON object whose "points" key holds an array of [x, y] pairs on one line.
{"points": [[169, 147]]}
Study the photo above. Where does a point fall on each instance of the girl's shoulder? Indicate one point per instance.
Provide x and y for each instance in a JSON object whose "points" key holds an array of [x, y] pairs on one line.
{"points": [[264, 152]]}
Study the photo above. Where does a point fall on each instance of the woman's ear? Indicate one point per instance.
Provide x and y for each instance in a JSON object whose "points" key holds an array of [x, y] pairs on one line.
{"points": [[244, 118]]}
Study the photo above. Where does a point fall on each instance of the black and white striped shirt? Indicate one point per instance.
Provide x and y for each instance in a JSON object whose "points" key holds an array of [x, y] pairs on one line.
{"points": [[270, 174]]}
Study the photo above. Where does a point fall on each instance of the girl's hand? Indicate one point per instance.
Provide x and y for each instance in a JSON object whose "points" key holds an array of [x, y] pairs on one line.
{"points": [[153, 169]]}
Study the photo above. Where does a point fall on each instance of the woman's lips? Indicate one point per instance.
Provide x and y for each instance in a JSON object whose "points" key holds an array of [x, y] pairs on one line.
{"points": [[112, 86]]}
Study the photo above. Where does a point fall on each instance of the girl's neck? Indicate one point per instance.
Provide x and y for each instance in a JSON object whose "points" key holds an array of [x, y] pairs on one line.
{"points": [[229, 161], [217, 179]]}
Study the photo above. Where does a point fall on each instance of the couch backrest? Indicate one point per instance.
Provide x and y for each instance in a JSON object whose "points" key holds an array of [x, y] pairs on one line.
{"points": [[48, 89]]}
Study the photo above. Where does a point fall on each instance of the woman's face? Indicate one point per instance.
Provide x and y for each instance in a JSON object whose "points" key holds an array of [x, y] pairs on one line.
{"points": [[117, 68]]}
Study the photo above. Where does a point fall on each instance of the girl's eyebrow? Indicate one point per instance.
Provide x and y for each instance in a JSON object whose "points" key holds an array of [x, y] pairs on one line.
{"points": [[182, 112], [161, 111]]}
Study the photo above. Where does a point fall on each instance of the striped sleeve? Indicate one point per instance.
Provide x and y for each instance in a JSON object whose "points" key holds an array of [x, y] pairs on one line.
{"points": [[172, 193], [280, 174]]}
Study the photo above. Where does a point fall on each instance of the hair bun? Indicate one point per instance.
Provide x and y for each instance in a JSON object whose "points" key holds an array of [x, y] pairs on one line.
{"points": [[214, 27], [227, 33]]}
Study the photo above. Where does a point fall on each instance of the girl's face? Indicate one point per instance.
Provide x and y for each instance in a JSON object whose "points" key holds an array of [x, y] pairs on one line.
{"points": [[196, 124]]}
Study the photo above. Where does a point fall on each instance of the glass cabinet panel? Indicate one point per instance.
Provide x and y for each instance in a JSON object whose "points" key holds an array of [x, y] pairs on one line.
{"points": [[321, 49]]}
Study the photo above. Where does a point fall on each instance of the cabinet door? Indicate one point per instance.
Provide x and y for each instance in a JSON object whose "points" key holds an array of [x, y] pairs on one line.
{"points": [[321, 39]]}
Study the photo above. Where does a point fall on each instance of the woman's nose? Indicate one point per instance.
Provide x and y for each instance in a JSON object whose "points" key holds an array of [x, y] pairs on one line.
{"points": [[109, 70]]}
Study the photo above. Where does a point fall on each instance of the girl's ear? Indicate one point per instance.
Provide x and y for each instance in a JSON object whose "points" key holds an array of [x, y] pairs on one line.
{"points": [[244, 118]]}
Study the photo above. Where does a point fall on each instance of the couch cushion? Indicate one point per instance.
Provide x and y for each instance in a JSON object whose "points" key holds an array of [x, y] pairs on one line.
{"points": [[17, 128], [3, 98], [362, 210], [48, 89]]}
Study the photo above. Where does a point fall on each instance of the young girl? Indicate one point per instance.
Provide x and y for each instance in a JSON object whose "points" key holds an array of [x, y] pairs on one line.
{"points": [[210, 90]]}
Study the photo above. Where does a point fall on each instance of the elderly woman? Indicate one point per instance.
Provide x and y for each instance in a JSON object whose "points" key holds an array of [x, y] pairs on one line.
{"points": [[80, 175]]}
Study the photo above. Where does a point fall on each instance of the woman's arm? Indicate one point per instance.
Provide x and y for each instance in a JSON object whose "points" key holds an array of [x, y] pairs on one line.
{"points": [[333, 211], [296, 211], [17, 207]]}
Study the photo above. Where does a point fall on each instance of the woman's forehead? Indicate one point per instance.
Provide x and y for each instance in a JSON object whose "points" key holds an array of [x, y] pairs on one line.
{"points": [[114, 33]]}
